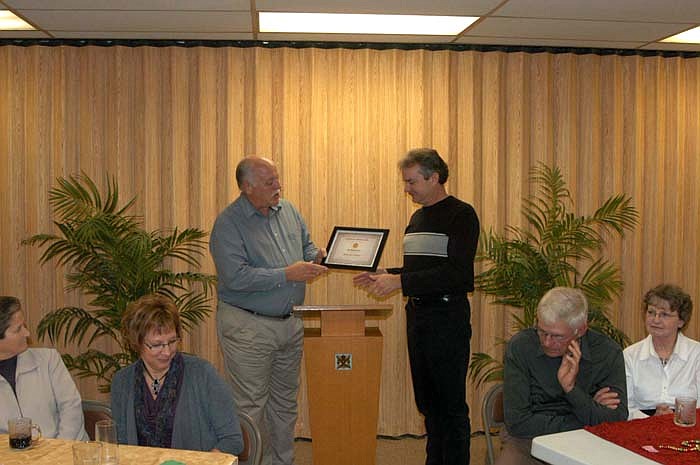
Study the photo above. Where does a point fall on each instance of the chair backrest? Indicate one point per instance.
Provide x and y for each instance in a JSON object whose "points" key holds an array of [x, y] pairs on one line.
{"points": [[492, 416], [252, 442], [94, 411]]}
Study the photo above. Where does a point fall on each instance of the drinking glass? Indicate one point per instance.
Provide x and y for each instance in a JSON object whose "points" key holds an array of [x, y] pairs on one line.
{"points": [[685, 411], [87, 453], [106, 433], [20, 432]]}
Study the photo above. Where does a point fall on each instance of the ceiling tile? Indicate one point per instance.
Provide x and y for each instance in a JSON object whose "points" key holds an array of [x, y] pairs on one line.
{"points": [[82, 20], [671, 46], [576, 30], [433, 7], [514, 41], [155, 35], [23, 35], [163, 5], [624, 10]]}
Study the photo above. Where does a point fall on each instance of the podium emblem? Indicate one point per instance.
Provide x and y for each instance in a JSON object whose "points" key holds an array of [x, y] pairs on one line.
{"points": [[343, 362]]}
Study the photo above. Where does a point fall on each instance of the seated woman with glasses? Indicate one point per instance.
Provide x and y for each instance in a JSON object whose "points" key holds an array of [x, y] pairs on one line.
{"points": [[166, 398], [666, 364]]}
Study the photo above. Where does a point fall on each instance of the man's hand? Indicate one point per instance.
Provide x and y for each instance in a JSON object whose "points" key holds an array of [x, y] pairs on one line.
{"points": [[568, 370], [380, 283], [663, 409], [320, 256], [303, 271], [363, 279], [607, 398]]}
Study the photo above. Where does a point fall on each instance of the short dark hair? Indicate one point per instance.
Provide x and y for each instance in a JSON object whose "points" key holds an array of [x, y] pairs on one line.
{"points": [[677, 299], [429, 162], [8, 307], [152, 311]]}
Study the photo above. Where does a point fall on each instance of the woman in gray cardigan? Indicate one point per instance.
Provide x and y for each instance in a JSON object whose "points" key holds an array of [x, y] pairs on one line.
{"points": [[169, 399]]}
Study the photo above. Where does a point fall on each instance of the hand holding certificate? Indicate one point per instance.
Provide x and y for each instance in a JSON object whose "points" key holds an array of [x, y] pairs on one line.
{"points": [[355, 248]]}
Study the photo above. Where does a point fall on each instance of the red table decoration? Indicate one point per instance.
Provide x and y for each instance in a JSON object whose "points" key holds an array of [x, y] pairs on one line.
{"points": [[652, 431]]}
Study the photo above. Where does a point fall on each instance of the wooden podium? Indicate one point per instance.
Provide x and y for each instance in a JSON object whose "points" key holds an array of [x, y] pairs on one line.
{"points": [[343, 369]]}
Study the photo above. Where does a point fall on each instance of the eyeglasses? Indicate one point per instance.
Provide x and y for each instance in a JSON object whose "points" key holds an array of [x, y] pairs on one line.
{"points": [[558, 338], [157, 348], [663, 314]]}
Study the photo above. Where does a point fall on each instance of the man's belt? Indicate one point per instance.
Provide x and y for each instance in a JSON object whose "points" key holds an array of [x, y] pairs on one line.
{"points": [[274, 317], [437, 300]]}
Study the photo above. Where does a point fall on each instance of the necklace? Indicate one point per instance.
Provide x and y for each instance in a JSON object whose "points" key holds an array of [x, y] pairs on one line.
{"points": [[156, 382], [664, 361], [691, 445]]}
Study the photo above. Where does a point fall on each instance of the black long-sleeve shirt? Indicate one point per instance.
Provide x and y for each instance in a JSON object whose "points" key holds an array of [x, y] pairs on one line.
{"points": [[439, 248]]}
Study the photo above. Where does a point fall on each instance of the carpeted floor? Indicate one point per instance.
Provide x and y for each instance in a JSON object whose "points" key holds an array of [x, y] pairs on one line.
{"points": [[402, 451]]}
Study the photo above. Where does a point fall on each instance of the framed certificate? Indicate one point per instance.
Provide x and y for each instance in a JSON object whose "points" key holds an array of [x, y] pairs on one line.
{"points": [[355, 248]]}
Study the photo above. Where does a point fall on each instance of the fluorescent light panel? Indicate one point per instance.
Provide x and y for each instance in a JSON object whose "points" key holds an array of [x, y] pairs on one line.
{"points": [[337, 23], [11, 22], [691, 36]]}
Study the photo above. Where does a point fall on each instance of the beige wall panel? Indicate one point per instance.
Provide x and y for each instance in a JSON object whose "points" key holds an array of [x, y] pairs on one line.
{"points": [[633, 166], [172, 123], [611, 154]]}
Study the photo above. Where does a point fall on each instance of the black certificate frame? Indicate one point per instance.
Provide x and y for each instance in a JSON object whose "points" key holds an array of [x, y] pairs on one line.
{"points": [[341, 234]]}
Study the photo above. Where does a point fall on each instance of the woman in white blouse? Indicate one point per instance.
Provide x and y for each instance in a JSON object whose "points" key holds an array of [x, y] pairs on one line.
{"points": [[666, 364]]}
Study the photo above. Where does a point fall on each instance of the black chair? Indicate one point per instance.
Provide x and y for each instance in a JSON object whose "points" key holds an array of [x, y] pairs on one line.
{"points": [[252, 442], [94, 411], [492, 416]]}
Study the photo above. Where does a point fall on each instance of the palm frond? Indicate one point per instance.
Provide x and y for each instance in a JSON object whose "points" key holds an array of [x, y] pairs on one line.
{"points": [[559, 248], [74, 324], [112, 261], [94, 363], [483, 368]]}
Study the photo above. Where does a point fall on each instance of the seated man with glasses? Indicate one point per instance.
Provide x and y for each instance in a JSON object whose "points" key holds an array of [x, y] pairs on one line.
{"points": [[559, 376], [165, 398]]}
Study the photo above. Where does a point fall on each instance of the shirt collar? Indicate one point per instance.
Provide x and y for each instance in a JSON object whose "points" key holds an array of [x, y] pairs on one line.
{"points": [[682, 348], [26, 362], [249, 210]]}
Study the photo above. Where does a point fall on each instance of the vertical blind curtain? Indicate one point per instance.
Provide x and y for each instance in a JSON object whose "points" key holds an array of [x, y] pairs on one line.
{"points": [[171, 123]]}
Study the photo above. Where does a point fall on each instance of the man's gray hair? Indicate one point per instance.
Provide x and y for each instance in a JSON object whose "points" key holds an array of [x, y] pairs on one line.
{"points": [[244, 170], [563, 304]]}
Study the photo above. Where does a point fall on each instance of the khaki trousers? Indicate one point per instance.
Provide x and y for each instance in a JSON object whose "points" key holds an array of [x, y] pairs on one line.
{"points": [[263, 358]]}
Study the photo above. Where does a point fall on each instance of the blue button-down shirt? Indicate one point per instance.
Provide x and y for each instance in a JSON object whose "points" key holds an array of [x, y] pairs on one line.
{"points": [[251, 250]]}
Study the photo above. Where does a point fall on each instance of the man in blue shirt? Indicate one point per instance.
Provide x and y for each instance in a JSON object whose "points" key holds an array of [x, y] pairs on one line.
{"points": [[264, 256]]}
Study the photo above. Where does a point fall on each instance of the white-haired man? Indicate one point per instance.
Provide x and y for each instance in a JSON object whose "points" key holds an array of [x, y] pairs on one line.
{"points": [[559, 376]]}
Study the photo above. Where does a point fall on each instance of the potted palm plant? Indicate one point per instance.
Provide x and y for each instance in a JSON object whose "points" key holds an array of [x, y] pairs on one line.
{"points": [[111, 260], [557, 248]]}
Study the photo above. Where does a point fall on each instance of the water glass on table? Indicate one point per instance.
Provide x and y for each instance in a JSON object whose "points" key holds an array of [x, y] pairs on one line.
{"points": [[87, 453], [106, 433], [685, 411]]}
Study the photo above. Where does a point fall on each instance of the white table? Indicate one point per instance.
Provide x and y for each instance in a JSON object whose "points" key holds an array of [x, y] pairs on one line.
{"points": [[579, 447]]}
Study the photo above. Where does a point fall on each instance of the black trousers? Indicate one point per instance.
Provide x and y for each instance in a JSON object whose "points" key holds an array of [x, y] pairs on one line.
{"points": [[438, 349]]}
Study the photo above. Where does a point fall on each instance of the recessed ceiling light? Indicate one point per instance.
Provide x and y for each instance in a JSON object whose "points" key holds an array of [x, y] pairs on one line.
{"points": [[11, 22], [336, 23], [691, 36]]}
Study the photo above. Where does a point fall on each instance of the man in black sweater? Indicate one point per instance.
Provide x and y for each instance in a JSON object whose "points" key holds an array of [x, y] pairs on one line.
{"points": [[437, 273]]}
